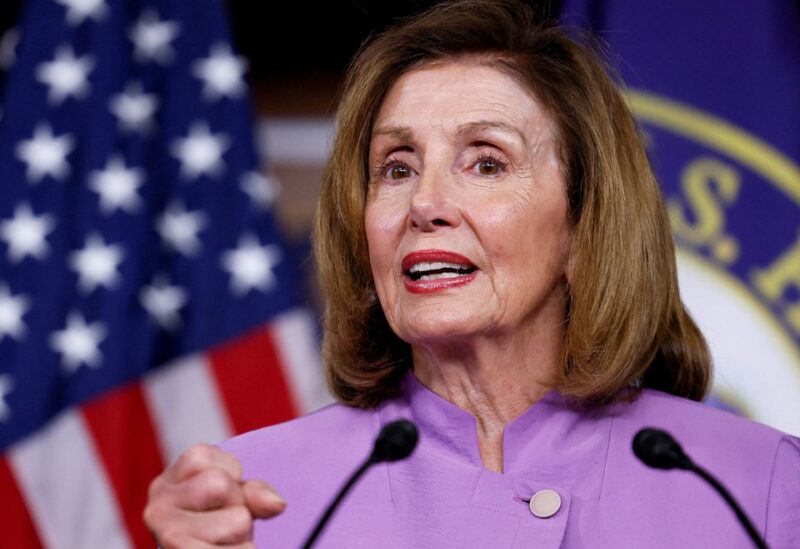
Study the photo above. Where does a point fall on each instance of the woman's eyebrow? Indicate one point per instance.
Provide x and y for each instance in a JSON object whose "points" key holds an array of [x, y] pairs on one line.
{"points": [[402, 133], [472, 127], [405, 133]]}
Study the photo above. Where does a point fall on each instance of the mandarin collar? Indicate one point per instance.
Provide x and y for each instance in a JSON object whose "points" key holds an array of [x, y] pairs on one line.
{"points": [[451, 430]]}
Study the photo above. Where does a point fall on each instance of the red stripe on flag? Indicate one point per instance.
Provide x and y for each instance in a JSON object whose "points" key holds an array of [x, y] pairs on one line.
{"points": [[16, 527], [126, 441], [252, 383]]}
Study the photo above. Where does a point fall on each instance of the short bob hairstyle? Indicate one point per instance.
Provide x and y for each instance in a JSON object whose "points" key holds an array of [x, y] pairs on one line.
{"points": [[626, 327]]}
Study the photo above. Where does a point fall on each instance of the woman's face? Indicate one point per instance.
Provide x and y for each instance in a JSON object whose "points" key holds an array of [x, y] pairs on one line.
{"points": [[466, 216]]}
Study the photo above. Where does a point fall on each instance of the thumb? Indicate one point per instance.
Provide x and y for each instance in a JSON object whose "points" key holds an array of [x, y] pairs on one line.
{"points": [[262, 500]]}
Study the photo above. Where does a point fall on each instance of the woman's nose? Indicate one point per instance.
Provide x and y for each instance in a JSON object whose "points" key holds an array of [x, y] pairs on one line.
{"points": [[431, 204]]}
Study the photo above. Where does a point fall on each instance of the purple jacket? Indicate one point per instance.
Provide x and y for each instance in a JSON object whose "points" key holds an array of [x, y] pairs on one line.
{"points": [[442, 497]]}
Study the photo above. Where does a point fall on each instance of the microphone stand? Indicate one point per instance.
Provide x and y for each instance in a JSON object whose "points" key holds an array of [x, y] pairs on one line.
{"points": [[339, 497], [740, 514], [395, 441], [658, 449]]}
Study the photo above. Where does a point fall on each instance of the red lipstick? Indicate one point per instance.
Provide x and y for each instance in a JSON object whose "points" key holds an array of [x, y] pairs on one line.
{"points": [[428, 271]]}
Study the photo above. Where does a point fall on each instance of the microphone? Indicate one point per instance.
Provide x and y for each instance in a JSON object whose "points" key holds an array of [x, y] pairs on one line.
{"points": [[659, 450], [656, 448], [396, 441]]}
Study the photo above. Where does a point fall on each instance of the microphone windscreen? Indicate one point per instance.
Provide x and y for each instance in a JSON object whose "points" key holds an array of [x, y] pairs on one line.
{"points": [[396, 441], [658, 449]]}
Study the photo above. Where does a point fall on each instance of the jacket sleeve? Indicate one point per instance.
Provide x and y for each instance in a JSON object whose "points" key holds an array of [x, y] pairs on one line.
{"points": [[783, 507]]}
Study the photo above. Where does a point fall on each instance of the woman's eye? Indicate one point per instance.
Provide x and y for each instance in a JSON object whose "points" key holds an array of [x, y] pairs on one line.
{"points": [[393, 170], [489, 166], [398, 171]]}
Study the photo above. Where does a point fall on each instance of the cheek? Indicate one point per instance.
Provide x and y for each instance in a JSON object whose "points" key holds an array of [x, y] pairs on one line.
{"points": [[507, 225], [381, 228], [385, 214], [528, 236]]}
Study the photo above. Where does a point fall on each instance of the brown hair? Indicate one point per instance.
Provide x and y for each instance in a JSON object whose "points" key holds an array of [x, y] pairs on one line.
{"points": [[626, 325]]}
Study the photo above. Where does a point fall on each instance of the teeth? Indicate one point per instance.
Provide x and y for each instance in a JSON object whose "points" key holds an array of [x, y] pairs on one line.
{"points": [[439, 275], [434, 266]]}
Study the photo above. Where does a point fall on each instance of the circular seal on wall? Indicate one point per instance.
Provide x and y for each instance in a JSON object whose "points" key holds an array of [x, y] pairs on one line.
{"points": [[734, 205]]}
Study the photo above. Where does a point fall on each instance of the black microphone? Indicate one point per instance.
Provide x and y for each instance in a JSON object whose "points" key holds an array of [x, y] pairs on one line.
{"points": [[656, 448], [396, 441]]}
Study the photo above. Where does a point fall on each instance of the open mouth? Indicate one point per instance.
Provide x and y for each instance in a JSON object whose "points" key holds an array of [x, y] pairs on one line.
{"points": [[436, 270], [431, 271]]}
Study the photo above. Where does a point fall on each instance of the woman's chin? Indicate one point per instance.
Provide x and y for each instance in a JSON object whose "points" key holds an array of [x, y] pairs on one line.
{"points": [[435, 331]]}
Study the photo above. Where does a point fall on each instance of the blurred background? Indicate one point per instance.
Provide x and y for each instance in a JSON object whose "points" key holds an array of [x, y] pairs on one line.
{"points": [[159, 167]]}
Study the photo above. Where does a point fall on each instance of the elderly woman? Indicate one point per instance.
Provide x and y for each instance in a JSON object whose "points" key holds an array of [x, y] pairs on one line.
{"points": [[498, 268]]}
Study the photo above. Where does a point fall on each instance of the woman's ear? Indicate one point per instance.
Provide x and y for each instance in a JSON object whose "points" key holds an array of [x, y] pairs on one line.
{"points": [[372, 296], [570, 268], [569, 263]]}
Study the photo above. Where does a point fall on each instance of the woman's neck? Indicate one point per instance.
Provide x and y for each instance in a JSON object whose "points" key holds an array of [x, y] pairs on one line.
{"points": [[494, 381]]}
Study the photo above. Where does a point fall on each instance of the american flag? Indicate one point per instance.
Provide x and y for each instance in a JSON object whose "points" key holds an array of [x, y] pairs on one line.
{"points": [[146, 299]]}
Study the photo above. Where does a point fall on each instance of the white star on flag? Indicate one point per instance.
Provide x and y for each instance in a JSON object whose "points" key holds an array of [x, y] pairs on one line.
{"points": [[45, 154], [221, 72], [201, 152], [12, 309], [250, 265], [152, 38], [6, 386], [96, 263], [117, 186], [163, 302], [179, 229], [134, 109], [78, 343], [8, 48], [261, 189], [66, 75], [25, 233], [79, 11]]}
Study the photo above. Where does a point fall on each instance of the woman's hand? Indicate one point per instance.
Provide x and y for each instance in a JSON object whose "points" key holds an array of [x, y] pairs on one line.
{"points": [[202, 501]]}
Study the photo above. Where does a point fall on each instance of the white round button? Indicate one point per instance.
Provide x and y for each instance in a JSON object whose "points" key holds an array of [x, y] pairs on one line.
{"points": [[545, 503]]}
